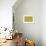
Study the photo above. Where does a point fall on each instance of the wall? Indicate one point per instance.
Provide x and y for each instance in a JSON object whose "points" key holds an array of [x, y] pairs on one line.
{"points": [[43, 22], [6, 13], [30, 31]]}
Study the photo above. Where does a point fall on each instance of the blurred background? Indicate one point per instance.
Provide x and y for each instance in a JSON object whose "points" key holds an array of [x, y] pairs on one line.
{"points": [[18, 8]]}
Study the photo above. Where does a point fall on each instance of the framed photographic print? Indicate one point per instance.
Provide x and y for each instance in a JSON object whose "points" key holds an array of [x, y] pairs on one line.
{"points": [[28, 19]]}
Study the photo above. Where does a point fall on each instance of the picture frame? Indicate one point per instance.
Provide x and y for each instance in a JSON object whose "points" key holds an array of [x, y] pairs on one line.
{"points": [[28, 19]]}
